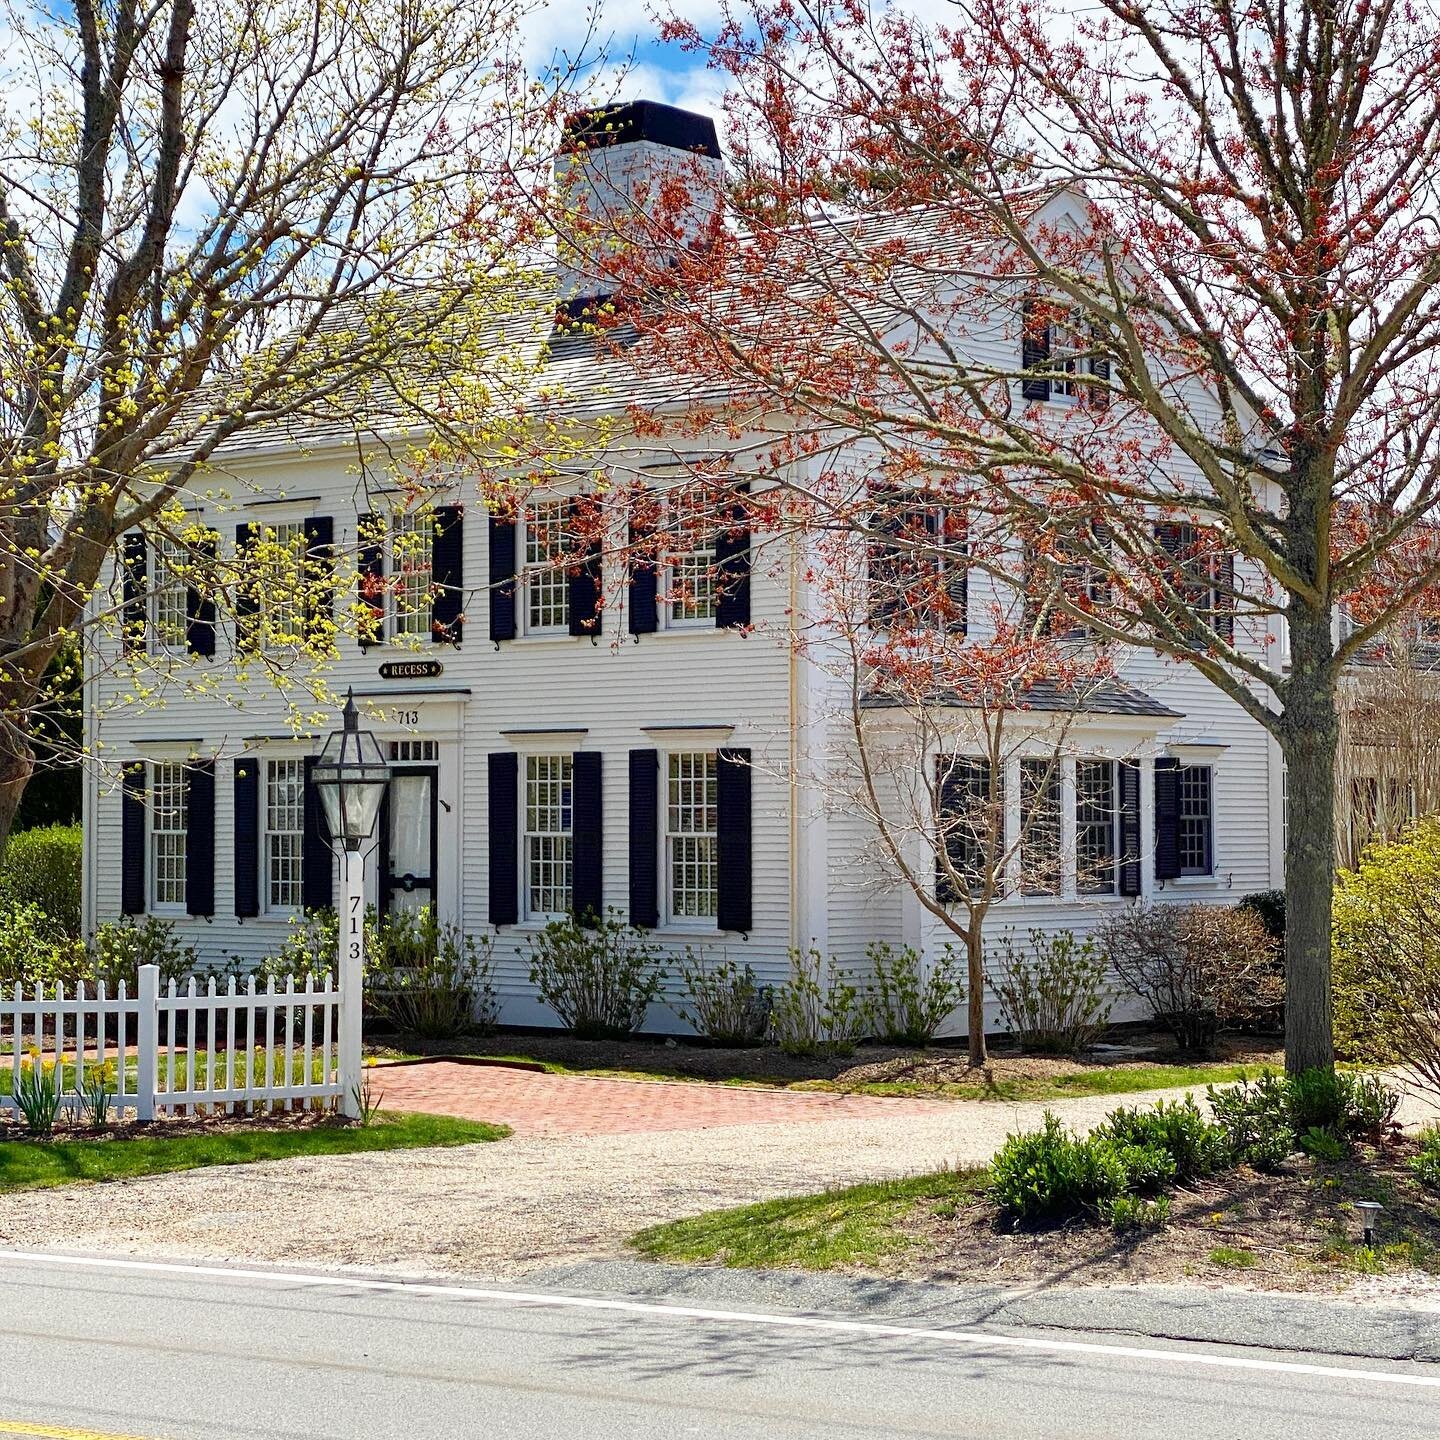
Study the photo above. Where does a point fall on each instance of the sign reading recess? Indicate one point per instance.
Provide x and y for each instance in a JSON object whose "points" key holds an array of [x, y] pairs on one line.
{"points": [[411, 669]]}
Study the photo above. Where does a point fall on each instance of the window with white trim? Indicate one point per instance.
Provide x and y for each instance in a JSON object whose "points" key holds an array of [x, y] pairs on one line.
{"points": [[284, 837], [916, 564], [412, 573], [1097, 820], [278, 563], [169, 607], [1195, 823], [548, 848], [688, 581], [1069, 353], [692, 871], [545, 540], [169, 797], [1040, 851]]}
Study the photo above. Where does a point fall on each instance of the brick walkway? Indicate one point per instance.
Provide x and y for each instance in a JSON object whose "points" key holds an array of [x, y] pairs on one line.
{"points": [[538, 1104]]}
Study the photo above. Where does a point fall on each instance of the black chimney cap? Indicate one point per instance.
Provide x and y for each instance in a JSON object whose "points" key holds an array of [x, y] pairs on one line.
{"points": [[640, 120]]}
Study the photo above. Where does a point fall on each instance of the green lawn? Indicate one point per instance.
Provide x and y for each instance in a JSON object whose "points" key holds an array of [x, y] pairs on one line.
{"points": [[33, 1164], [812, 1232], [249, 1063]]}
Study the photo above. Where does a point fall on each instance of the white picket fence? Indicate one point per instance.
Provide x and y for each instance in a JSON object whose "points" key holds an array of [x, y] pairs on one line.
{"points": [[200, 1047]]}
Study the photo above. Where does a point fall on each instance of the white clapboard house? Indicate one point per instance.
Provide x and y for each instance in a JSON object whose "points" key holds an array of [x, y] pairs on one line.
{"points": [[649, 756]]}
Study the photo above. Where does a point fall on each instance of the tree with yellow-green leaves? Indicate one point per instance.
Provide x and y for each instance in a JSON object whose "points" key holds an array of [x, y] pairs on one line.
{"points": [[219, 219]]}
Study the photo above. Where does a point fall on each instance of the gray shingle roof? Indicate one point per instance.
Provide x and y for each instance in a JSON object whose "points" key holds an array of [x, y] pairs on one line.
{"points": [[1106, 697]]}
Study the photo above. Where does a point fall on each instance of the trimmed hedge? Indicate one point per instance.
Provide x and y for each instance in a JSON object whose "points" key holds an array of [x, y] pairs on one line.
{"points": [[41, 867]]}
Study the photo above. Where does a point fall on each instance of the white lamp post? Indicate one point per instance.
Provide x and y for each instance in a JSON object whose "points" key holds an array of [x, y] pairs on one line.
{"points": [[351, 776]]}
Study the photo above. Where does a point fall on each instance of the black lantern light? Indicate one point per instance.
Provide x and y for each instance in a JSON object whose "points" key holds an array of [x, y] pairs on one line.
{"points": [[351, 776]]}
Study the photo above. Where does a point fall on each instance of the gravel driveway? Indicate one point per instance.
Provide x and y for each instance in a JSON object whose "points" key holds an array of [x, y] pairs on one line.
{"points": [[499, 1210]]}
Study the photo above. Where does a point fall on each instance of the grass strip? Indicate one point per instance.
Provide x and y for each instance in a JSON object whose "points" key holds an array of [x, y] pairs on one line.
{"points": [[38, 1164]]}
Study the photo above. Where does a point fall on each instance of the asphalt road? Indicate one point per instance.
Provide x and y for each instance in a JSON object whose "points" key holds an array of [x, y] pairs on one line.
{"points": [[102, 1350]]}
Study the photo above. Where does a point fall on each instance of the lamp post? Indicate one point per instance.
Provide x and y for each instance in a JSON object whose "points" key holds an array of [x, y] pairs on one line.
{"points": [[351, 776]]}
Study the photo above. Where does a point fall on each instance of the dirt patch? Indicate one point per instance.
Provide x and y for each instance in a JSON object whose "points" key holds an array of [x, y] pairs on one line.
{"points": [[938, 1065], [1297, 1230]]}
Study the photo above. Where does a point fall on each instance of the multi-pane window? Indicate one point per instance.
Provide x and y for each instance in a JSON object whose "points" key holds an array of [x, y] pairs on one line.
{"points": [[690, 568], [1068, 575], [1194, 829], [546, 585], [1202, 575], [549, 845], [168, 607], [279, 582], [284, 834], [1040, 852], [691, 862], [412, 556], [169, 794], [916, 565], [971, 821], [1068, 353], [1096, 820]]}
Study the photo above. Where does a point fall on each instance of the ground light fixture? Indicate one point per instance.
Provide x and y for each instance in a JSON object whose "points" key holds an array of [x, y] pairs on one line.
{"points": [[1370, 1213], [350, 777]]}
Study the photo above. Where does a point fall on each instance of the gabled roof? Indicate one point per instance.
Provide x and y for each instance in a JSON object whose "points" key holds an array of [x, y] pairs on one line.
{"points": [[1105, 697]]}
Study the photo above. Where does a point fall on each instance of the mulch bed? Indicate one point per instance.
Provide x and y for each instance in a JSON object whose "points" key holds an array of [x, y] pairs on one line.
{"points": [[1297, 1230], [937, 1065], [176, 1127]]}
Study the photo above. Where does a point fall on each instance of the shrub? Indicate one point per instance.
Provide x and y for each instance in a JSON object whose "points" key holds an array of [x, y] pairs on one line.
{"points": [[599, 979], [1132, 1212], [42, 867], [1196, 1146], [1269, 906], [910, 1000], [724, 1001], [1387, 955], [310, 951], [1052, 998], [1322, 1144], [438, 995], [1147, 1167], [818, 1010], [34, 950], [1255, 1116], [121, 947], [1317, 1100], [1197, 966], [1049, 1174], [1370, 1105], [1426, 1164]]}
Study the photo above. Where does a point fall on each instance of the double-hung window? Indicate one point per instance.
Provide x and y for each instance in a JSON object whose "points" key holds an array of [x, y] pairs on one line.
{"points": [[1040, 848], [412, 559], [169, 796], [548, 849], [545, 540], [1195, 827], [691, 858], [169, 613], [276, 583], [916, 563], [689, 577], [283, 851], [1096, 824], [971, 815]]}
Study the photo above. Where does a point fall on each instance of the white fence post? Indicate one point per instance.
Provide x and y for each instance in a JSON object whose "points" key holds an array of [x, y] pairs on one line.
{"points": [[147, 1043], [352, 977]]}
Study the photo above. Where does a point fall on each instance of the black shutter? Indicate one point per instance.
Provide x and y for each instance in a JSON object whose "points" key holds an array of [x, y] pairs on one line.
{"points": [[317, 874], [1100, 369], [587, 837], [247, 835], [1129, 828], [645, 838], [370, 568], [132, 840], [584, 583], [732, 566], [447, 568], [132, 591], [1225, 597], [504, 836], [200, 839], [318, 577], [732, 839], [1167, 819], [502, 581], [1034, 350], [200, 600], [953, 798], [946, 527], [642, 609], [246, 600]]}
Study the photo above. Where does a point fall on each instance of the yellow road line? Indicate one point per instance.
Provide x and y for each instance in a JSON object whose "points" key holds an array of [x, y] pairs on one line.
{"points": [[58, 1432]]}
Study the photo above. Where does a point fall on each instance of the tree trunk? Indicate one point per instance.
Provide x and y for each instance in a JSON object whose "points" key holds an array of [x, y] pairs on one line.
{"points": [[975, 956], [1308, 739], [15, 772]]}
